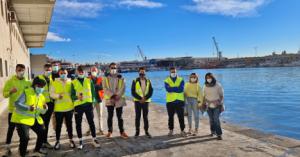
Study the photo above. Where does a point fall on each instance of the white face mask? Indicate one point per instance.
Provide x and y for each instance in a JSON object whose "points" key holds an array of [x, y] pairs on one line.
{"points": [[113, 71], [21, 74], [209, 80], [173, 75], [193, 80], [94, 74]]}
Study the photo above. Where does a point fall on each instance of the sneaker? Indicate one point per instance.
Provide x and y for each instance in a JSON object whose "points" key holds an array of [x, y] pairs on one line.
{"points": [[8, 150], [40, 153], [190, 131], [137, 134], [183, 134], [57, 146], [72, 144], [195, 132], [101, 132], [148, 135], [80, 145], [124, 135], [170, 133], [108, 135], [219, 137], [96, 143], [47, 145]]}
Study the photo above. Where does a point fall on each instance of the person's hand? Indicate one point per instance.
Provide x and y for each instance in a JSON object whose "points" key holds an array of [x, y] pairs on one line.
{"points": [[80, 97], [117, 97], [32, 108], [13, 90], [60, 96], [143, 100], [44, 106]]}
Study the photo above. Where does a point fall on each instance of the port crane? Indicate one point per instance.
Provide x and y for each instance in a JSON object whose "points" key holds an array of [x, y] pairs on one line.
{"points": [[141, 54], [219, 53]]}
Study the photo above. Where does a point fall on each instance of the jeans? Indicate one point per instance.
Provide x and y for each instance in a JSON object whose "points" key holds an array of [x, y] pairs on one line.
{"points": [[138, 111], [46, 118], [10, 129], [176, 108], [214, 120], [86, 109], [23, 131], [60, 116], [192, 108], [110, 111]]}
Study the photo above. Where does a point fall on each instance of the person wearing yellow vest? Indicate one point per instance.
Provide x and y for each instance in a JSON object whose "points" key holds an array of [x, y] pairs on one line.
{"points": [[27, 115], [83, 95], [141, 90], [114, 98], [47, 77], [13, 89], [60, 91], [193, 101], [174, 86]]}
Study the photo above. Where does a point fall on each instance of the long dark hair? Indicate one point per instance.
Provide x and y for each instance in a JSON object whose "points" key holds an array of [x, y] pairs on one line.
{"points": [[213, 82]]}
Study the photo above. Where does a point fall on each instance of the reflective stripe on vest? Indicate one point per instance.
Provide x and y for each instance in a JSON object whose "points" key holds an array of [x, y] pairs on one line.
{"points": [[84, 89], [120, 84], [139, 91], [29, 117], [172, 96], [46, 88], [65, 104]]}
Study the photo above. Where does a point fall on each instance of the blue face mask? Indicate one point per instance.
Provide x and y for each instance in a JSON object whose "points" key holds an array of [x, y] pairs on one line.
{"points": [[39, 90], [63, 76], [55, 68]]}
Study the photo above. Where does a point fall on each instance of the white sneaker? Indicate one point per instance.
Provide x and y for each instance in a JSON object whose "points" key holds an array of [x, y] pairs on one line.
{"points": [[57, 146], [170, 133], [80, 145], [96, 143]]}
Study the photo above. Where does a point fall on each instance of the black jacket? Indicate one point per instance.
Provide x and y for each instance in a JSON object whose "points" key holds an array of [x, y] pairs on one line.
{"points": [[133, 91]]}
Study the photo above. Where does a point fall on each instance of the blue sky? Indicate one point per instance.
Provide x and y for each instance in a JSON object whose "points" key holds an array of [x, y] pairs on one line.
{"points": [[109, 30]]}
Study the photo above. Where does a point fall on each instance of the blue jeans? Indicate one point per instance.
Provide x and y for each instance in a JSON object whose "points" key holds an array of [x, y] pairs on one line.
{"points": [[192, 108], [214, 120]]}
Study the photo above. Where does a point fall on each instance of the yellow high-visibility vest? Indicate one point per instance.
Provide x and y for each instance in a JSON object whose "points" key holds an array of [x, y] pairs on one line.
{"points": [[85, 89], [65, 104], [139, 91], [172, 96], [46, 88], [29, 117], [120, 84]]}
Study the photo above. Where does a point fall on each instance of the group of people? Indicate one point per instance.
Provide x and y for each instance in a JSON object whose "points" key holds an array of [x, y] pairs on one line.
{"points": [[53, 96]]}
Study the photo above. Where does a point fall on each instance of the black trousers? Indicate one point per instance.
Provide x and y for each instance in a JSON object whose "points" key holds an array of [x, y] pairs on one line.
{"points": [[138, 111], [86, 109], [23, 131], [59, 117], [110, 111], [10, 129], [47, 117], [178, 108]]}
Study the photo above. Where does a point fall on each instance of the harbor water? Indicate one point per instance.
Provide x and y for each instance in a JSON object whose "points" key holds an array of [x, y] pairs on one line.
{"points": [[267, 99]]}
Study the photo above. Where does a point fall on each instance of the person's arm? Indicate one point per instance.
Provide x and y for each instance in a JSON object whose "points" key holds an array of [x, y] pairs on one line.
{"points": [[133, 91], [106, 89], [179, 89], [93, 92], [53, 94], [121, 91], [200, 94], [42, 110], [20, 103], [73, 93], [221, 93], [150, 93], [6, 89]]}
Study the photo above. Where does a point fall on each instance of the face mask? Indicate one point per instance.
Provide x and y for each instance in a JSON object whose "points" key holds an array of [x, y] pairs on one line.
{"points": [[81, 76], [113, 71], [173, 75], [55, 68], [63, 76], [39, 90], [94, 74], [142, 75], [193, 80], [21, 74], [209, 80], [48, 73]]}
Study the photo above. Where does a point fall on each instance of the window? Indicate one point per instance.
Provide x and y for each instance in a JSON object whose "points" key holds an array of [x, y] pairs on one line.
{"points": [[1, 69], [6, 70]]}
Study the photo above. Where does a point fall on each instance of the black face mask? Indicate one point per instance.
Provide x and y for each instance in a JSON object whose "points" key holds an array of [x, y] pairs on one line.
{"points": [[142, 75]]}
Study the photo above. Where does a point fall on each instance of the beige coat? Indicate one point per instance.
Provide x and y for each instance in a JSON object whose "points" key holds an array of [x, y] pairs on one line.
{"points": [[111, 88]]}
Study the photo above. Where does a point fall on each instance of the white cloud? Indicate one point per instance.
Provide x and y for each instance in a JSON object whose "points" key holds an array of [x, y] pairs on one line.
{"points": [[141, 3], [234, 8], [74, 8], [56, 38]]}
